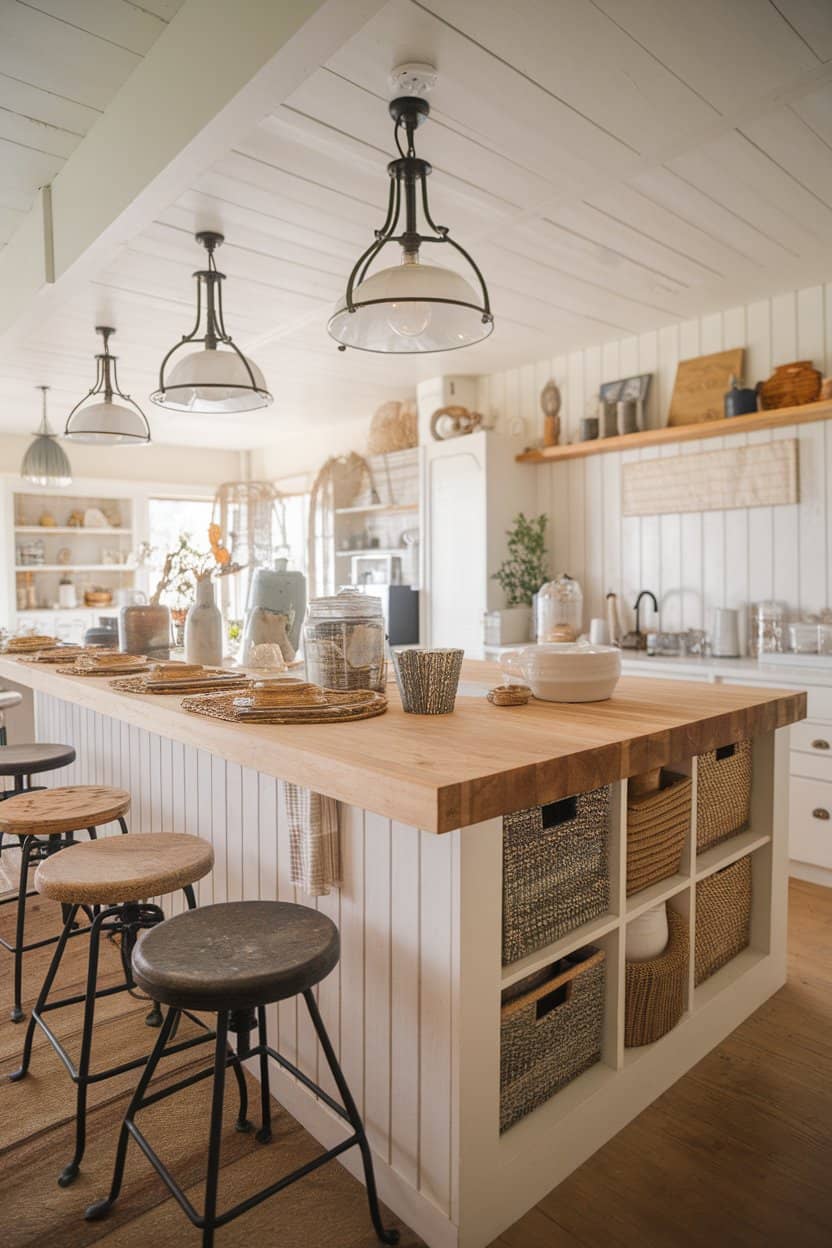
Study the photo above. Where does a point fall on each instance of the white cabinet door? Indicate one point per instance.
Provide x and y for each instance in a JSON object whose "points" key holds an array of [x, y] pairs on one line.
{"points": [[455, 521], [810, 821]]}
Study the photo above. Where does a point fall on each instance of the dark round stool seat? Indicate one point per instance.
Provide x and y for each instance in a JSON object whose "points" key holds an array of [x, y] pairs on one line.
{"points": [[236, 955], [25, 760]]}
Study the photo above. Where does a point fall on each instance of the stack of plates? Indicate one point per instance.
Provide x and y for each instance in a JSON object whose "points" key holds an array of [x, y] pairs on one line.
{"points": [[29, 645], [106, 663]]}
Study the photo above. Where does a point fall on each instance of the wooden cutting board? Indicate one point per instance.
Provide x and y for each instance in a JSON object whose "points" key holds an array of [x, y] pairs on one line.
{"points": [[701, 385]]}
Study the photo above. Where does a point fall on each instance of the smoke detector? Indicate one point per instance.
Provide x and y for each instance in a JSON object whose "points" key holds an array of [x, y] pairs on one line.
{"points": [[413, 78]]}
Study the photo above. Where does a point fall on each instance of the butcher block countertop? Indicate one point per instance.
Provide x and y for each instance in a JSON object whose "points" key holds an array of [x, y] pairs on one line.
{"points": [[445, 772]]}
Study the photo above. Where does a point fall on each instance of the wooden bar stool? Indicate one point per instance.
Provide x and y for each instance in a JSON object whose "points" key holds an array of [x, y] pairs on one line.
{"points": [[21, 762], [45, 821], [232, 960], [113, 877]]}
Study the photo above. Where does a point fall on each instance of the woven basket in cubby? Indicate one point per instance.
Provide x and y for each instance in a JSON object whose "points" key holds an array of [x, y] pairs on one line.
{"points": [[657, 824], [656, 990], [723, 918], [555, 870], [551, 1028], [723, 793]]}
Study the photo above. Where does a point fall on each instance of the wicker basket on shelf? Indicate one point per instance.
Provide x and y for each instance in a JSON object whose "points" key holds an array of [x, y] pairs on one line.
{"points": [[723, 793], [656, 990], [657, 824], [550, 1031], [555, 870], [723, 918], [790, 385], [394, 427]]}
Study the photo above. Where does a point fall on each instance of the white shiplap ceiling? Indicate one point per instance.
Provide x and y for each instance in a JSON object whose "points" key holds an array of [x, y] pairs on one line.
{"points": [[614, 164]]}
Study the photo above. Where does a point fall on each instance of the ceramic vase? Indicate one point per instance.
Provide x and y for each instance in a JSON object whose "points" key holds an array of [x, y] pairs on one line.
{"points": [[144, 629], [203, 627]]}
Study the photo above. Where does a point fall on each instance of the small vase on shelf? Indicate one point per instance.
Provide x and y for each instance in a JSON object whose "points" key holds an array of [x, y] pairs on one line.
{"points": [[203, 627]]}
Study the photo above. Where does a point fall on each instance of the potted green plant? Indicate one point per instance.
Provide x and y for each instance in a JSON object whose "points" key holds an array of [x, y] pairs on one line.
{"points": [[520, 576]]}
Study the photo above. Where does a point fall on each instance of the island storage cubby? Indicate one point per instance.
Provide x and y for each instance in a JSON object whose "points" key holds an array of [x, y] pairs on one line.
{"points": [[556, 873], [656, 990], [658, 824], [551, 1031], [723, 918], [723, 793]]}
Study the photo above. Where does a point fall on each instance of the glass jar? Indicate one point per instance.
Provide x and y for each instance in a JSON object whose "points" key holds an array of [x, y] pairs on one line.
{"points": [[766, 631], [344, 643], [559, 610]]}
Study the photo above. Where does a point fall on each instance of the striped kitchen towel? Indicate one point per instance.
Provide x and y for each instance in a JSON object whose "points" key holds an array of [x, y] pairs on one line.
{"points": [[314, 840]]}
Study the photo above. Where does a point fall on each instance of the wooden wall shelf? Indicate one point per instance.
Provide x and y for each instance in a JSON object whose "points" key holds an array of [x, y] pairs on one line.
{"points": [[682, 433]]}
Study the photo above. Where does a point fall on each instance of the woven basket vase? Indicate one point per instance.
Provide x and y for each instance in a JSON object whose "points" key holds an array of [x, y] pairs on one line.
{"points": [[723, 793], [723, 918], [555, 870], [394, 427], [655, 990], [550, 1033], [657, 824], [790, 385]]}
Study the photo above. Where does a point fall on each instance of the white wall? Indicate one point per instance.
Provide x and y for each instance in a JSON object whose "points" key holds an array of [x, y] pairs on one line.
{"points": [[698, 561], [302, 454]]}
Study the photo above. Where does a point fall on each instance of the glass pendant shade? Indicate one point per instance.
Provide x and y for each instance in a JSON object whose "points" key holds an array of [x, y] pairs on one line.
{"points": [[410, 308], [46, 462], [213, 381], [106, 416], [216, 378]]}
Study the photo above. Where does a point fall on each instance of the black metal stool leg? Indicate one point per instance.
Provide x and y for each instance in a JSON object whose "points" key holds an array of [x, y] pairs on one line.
{"points": [[386, 1236], [265, 1132], [215, 1134], [102, 1207], [123, 825], [70, 1171], [17, 1014], [46, 988], [154, 1017]]}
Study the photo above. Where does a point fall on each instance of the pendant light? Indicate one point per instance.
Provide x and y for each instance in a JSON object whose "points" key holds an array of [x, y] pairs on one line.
{"points": [[411, 306], [46, 462], [210, 380], [105, 421]]}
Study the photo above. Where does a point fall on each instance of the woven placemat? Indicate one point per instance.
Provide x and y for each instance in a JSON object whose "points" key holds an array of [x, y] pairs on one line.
{"points": [[60, 654], [142, 684], [128, 670], [341, 708]]}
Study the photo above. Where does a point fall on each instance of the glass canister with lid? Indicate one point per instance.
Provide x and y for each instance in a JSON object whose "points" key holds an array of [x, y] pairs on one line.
{"points": [[344, 642], [559, 610]]}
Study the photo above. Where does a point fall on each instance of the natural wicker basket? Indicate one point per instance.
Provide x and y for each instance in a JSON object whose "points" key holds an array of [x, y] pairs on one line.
{"points": [[550, 1031], [723, 918], [723, 793], [790, 385], [394, 427], [657, 824], [555, 870], [655, 990]]}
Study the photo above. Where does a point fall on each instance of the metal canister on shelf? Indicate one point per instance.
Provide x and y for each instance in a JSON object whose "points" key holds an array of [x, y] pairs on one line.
{"points": [[344, 641]]}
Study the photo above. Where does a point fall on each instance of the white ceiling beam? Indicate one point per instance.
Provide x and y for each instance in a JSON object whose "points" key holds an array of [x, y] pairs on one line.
{"points": [[218, 68]]}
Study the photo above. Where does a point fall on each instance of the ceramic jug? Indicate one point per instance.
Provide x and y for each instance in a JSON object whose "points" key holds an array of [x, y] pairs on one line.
{"points": [[203, 627]]}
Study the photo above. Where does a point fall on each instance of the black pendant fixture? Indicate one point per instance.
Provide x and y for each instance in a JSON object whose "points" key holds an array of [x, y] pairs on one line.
{"points": [[412, 306], [106, 415], [216, 379]]}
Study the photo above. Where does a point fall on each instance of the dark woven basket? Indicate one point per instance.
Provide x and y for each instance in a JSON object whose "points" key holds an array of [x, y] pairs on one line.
{"points": [[550, 1032], [656, 990], [555, 870], [723, 793], [723, 918], [657, 824]]}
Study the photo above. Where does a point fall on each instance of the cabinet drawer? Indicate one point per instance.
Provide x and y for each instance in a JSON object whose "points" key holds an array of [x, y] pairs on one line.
{"points": [[810, 821], [812, 738]]}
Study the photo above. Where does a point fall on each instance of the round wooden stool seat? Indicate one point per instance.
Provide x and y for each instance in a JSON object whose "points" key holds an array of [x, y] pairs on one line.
{"points": [[48, 811], [25, 760], [235, 955], [124, 868]]}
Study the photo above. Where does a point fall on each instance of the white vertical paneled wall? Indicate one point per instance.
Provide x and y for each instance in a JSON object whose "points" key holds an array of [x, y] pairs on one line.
{"points": [[387, 1005], [698, 561]]}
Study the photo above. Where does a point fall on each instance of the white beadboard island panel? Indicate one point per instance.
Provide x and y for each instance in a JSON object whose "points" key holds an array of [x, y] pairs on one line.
{"points": [[701, 560]]}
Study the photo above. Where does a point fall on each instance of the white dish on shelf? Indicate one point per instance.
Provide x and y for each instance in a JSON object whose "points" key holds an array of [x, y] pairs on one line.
{"points": [[570, 671]]}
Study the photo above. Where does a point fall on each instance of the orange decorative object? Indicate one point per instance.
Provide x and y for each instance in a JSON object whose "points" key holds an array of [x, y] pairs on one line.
{"points": [[220, 552]]}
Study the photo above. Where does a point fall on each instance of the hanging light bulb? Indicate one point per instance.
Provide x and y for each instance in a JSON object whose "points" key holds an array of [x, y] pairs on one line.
{"points": [[105, 421], [211, 380], [411, 306], [46, 462]]}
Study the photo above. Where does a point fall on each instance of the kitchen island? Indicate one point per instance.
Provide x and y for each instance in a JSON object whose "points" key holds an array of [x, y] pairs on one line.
{"points": [[415, 1004]]}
